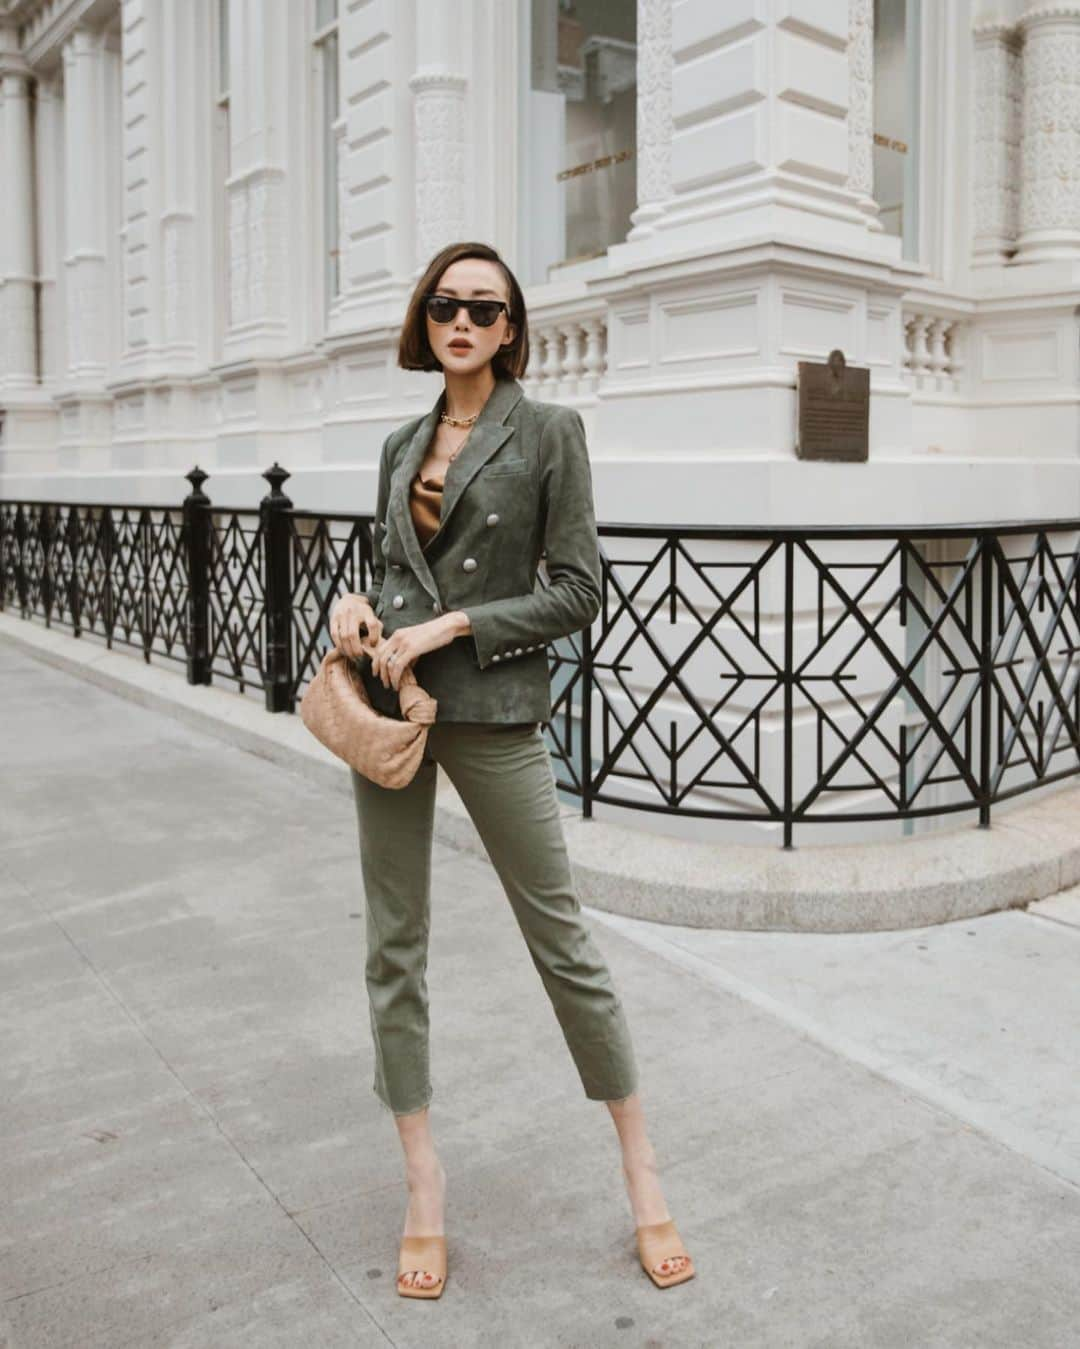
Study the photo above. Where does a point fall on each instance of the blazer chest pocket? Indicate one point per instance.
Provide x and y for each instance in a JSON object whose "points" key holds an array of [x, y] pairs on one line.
{"points": [[504, 467]]}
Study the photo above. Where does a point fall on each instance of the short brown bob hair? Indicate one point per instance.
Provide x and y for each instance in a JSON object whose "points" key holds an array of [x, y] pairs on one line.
{"points": [[414, 350]]}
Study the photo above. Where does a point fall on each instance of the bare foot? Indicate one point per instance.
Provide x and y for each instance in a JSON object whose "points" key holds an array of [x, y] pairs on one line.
{"points": [[424, 1216]]}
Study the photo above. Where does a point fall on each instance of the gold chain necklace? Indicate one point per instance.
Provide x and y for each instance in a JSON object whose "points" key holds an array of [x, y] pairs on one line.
{"points": [[458, 421]]}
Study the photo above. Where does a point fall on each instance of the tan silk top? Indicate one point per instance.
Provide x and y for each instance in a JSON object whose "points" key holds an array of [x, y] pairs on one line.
{"points": [[425, 502]]}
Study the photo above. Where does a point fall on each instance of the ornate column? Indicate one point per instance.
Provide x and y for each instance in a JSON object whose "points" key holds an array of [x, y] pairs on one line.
{"points": [[861, 108], [997, 142], [84, 206], [178, 184], [18, 351], [1050, 147], [48, 164], [653, 114], [439, 111]]}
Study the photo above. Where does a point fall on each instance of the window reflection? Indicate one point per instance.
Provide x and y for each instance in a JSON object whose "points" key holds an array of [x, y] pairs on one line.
{"points": [[896, 101], [581, 124]]}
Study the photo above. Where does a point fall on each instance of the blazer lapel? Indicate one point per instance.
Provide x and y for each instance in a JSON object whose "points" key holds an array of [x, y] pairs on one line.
{"points": [[488, 434]]}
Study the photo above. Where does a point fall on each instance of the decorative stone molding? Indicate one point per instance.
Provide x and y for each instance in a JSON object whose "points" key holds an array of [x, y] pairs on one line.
{"points": [[1050, 164], [654, 126], [861, 107], [1040, 13], [996, 170]]}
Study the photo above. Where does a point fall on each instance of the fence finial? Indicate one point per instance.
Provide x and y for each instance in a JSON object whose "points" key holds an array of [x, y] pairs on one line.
{"points": [[197, 477], [275, 476]]}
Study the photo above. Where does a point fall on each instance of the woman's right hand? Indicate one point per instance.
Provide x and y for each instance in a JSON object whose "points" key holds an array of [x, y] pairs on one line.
{"points": [[346, 618]]}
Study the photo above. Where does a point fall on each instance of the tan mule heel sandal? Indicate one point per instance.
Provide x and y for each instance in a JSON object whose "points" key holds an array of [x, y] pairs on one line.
{"points": [[420, 1254], [658, 1242]]}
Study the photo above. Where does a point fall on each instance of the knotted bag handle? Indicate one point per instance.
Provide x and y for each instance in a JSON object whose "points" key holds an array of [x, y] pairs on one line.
{"points": [[416, 704]]}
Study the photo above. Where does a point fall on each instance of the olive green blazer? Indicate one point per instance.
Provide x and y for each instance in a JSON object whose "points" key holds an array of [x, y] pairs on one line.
{"points": [[519, 488]]}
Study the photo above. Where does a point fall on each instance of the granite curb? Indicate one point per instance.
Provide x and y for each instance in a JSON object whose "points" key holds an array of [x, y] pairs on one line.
{"points": [[1030, 853]]}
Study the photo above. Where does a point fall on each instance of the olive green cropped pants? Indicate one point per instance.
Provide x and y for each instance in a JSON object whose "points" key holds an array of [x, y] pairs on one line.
{"points": [[504, 776]]}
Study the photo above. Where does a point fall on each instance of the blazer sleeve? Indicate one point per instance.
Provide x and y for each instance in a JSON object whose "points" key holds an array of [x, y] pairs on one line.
{"points": [[382, 497], [572, 598]]}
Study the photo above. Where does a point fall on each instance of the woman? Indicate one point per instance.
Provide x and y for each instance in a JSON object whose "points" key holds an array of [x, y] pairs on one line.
{"points": [[469, 498]]}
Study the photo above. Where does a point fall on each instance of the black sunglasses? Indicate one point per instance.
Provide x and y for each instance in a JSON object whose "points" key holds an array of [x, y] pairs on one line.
{"points": [[444, 308]]}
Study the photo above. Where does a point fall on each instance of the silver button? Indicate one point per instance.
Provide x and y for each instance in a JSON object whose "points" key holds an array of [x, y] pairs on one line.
{"points": [[435, 606], [469, 564], [396, 566], [493, 518], [398, 601], [508, 653], [495, 656], [518, 651]]}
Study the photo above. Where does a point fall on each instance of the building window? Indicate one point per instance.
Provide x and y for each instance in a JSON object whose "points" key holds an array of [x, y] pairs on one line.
{"points": [[330, 127], [896, 118], [579, 130]]}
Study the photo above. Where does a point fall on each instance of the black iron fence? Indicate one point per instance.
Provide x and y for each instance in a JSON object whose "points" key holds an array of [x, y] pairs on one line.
{"points": [[781, 676]]}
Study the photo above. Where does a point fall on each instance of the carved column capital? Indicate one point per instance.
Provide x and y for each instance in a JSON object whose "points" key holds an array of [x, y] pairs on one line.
{"points": [[437, 81], [1041, 14], [12, 61], [81, 41]]}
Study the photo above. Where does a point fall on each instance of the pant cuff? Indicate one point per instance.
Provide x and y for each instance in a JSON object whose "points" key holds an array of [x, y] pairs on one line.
{"points": [[394, 1110]]}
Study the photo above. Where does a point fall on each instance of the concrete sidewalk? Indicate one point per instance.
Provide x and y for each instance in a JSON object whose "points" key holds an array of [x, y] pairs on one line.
{"points": [[867, 1139], [1032, 851]]}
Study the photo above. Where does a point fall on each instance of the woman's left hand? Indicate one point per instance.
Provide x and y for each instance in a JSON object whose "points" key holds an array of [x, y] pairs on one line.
{"points": [[405, 646]]}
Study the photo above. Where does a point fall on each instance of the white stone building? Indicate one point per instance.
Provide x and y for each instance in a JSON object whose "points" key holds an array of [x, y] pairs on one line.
{"points": [[214, 210]]}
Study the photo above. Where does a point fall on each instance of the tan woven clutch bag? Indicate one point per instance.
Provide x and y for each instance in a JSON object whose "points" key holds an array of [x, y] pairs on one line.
{"points": [[336, 710]]}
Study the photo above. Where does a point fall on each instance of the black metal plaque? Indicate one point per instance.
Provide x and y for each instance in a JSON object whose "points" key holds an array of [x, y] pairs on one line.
{"points": [[834, 410]]}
